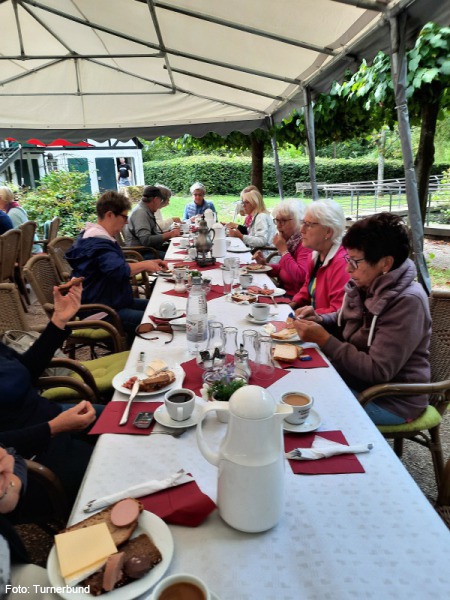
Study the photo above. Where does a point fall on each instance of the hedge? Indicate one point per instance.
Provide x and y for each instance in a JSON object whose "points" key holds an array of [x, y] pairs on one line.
{"points": [[224, 176]]}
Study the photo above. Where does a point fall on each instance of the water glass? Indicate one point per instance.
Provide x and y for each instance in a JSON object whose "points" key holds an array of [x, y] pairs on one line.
{"points": [[233, 263], [230, 342], [227, 278], [216, 336], [264, 365], [250, 343]]}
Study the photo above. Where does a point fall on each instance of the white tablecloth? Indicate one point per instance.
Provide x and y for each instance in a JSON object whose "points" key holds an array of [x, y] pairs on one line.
{"points": [[356, 536]]}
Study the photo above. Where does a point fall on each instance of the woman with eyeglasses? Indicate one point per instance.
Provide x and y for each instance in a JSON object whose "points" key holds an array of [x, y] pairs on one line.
{"points": [[260, 227], [293, 265], [382, 332], [322, 230]]}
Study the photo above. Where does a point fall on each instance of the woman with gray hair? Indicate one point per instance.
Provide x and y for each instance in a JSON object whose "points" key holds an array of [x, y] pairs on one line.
{"points": [[322, 230], [292, 268], [199, 204]]}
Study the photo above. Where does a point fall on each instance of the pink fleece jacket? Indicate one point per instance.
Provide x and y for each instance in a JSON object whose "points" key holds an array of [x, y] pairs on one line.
{"points": [[330, 281], [292, 269]]}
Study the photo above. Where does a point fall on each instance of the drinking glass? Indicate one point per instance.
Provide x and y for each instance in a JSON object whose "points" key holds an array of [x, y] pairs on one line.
{"points": [[233, 263], [227, 278], [250, 343], [216, 336], [230, 342], [264, 365]]}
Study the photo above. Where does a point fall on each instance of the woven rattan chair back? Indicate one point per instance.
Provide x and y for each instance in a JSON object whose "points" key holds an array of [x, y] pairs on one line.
{"points": [[440, 337], [41, 274], [57, 248], [28, 230], [12, 315], [9, 253]]}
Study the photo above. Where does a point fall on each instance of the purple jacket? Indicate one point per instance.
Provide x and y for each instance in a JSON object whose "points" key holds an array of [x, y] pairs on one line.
{"points": [[384, 337]]}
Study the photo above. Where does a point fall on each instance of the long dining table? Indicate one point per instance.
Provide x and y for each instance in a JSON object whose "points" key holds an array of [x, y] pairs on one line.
{"points": [[341, 536]]}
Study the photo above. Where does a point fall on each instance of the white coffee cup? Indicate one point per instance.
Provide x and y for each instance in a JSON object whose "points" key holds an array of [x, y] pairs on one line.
{"points": [[260, 311], [167, 310], [180, 403], [301, 404], [245, 280], [192, 586]]}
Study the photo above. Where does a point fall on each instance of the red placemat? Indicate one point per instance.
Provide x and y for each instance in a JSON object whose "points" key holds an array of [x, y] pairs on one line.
{"points": [[108, 421], [342, 463], [181, 252], [316, 361], [215, 292], [193, 380], [279, 300], [180, 505]]}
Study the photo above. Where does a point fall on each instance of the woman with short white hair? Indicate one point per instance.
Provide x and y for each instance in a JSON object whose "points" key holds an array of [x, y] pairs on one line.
{"points": [[199, 204], [322, 230], [260, 227], [292, 267]]}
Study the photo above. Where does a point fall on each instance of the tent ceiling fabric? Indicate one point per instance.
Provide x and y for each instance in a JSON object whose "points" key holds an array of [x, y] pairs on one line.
{"points": [[120, 68]]}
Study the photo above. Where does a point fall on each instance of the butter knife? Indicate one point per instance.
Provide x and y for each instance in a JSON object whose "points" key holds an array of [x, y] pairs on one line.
{"points": [[126, 412]]}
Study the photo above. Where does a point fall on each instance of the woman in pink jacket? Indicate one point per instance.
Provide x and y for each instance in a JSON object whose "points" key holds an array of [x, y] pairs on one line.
{"points": [[292, 268], [322, 231]]}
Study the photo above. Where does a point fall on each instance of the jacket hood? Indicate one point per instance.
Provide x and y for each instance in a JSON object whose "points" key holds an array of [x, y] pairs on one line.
{"points": [[87, 247]]}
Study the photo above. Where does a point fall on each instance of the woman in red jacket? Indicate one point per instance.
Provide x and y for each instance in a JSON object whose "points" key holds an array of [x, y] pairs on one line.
{"points": [[322, 231]]}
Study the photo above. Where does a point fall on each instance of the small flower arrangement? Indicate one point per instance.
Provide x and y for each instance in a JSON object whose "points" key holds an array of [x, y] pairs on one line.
{"points": [[223, 386]]}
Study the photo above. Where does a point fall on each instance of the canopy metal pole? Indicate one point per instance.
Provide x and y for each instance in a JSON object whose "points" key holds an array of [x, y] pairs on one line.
{"points": [[310, 142], [276, 162], [399, 68]]}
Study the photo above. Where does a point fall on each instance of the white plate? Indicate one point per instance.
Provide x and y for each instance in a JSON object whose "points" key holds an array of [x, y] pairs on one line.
{"points": [[277, 292], [179, 323], [124, 376], [311, 424], [177, 315], [291, 340], [162, 417], [262, 269], [155, 528], [238, 250]]}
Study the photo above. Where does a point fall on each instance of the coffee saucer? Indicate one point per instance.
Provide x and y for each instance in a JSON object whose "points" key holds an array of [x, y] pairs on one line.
{"points": [[312, 423], [252, 319], [162, 417]]}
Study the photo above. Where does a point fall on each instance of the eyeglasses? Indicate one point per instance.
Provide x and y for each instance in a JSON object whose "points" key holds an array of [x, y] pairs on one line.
{"points": [[308, 224], [144, 328], [281, 221], [245, 202], [124, 217], [353, 262]]}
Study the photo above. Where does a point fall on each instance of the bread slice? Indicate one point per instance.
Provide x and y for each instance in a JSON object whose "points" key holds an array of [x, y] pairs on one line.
{"points": [[141, 546], [243, 298], [286, 352], [119, 534], [157, 382], [284, 334]]}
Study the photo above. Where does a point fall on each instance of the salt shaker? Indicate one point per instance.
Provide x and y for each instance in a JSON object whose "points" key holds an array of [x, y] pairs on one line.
{"points": [[140, 363], [241, 364]]}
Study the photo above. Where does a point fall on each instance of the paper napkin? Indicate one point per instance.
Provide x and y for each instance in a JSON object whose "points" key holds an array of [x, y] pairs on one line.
{"points": [[323, 448], [137, 491], [341, 463], [108, 421]]}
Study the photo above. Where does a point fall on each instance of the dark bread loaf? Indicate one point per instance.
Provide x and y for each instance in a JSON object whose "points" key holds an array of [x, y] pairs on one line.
{"points": [[157, 382], [140, 546], [119, 534]]}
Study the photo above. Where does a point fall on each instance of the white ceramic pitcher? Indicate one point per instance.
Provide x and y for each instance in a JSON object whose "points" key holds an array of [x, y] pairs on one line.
{"points": [[251, 461], [219, 248]]}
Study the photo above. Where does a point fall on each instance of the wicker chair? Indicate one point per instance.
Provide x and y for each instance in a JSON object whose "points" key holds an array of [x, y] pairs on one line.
{"points": [[443, 500], [57, 248], [50, 232], [40, 272], [28, 230], [425, 429], [10, 244], [91, 379]]}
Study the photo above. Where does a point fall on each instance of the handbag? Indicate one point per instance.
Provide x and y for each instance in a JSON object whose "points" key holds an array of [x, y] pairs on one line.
{"points": [[21, 341]]}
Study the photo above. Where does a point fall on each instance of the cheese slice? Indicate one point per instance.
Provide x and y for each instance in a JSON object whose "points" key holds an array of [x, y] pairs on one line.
{"points": [[83, 551], [156, 366]]}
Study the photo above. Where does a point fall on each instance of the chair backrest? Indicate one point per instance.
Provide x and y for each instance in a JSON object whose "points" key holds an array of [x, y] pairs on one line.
{"points": [[51, 229], [41, 274], [28, 230], [12, 315], [9, 253], [57, 249], [440, 336]]}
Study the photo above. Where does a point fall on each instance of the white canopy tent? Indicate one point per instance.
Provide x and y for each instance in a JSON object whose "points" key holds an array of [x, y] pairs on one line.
{"points": [[104, 69]]}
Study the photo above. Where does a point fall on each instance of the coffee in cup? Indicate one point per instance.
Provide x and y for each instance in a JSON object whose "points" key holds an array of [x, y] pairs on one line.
{"points": [[301, 404], [180, 404], [181, 587], [259, 311]]}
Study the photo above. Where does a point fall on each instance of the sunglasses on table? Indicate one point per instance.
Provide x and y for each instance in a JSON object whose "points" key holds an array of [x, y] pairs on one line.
{"points": [[146, 331]]}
